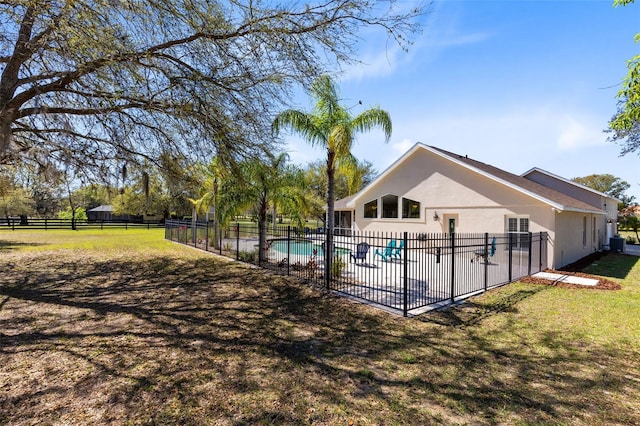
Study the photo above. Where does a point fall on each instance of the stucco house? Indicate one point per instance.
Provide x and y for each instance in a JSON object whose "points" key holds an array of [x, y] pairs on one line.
{"points": [[430, 190]]}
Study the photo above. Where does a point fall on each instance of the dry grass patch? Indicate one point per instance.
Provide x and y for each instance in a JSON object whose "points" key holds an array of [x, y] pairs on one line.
{"points": [[168, 335]]}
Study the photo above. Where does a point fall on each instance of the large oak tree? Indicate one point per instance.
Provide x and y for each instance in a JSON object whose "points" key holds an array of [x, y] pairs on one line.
{"points": [[624, 127], [87, 82]]}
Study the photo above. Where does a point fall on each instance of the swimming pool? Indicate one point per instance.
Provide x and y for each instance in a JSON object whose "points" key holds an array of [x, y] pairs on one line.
{"points": [[302, 247]]}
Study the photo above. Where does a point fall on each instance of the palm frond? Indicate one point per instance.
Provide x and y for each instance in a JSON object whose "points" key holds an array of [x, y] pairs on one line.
{"points": [[372, 118], [299, 123]]}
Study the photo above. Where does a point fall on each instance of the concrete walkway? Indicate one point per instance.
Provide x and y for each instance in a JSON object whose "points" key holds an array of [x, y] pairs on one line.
{"points": [[569, 279], [633, 250]]}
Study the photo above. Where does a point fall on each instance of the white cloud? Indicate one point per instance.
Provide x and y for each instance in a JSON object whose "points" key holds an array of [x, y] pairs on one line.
{"points": [[454, 40], [510, 138], [381, 56], [578, 132], [378, 62], [300, 152], [402, 146]]}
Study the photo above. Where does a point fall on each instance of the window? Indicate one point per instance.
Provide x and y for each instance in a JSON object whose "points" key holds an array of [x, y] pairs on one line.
{"points": [[371, 209], [410, 209], [584, 231], [593, 231], [518, 227], [390, 206]]}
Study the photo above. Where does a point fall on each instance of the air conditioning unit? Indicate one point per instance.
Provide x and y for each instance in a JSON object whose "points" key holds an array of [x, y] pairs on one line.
{"points": [[617, 244]]}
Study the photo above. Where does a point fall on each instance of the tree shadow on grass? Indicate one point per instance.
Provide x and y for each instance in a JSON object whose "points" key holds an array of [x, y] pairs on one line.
{"points": [[193, 341], [8, 245], [612, 265], [472, 311]]}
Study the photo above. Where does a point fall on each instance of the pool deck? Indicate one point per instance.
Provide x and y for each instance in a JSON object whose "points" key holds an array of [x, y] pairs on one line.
{"points": [[380, 283]]}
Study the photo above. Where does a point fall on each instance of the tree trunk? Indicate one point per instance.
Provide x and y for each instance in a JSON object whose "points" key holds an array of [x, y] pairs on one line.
{"points": [[216, 236], [274, 218], [328, 254], [262, 233]]}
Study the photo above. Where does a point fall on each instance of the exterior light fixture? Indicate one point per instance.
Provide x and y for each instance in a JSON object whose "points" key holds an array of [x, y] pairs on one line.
{"points": [[435, 216]]}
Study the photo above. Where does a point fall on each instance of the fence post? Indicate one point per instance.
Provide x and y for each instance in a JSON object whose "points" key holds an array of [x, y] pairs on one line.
{"points": [[453, 266], [288, 248], [529, 248], [406, 279], [206, 237], [540, 260], [511, 235], [486, 260], [237, 240]]}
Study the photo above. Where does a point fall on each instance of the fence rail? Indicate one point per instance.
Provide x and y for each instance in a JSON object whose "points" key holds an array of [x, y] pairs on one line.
{"points": [[404, 272], [52, 223]]}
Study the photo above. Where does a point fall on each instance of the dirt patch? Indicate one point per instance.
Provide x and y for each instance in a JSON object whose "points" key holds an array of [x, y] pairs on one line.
{"points": [[575, 269], [603, 283]]}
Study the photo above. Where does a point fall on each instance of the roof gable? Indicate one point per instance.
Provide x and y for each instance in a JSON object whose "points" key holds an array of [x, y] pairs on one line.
{"points": [[102, 208], [521, 184]]}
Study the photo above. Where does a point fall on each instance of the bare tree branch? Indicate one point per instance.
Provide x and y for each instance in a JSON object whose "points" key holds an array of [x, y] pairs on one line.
{"points": [[151, 78]]}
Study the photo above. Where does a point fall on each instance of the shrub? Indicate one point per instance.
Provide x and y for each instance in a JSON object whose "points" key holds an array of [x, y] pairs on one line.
{"points": [[81, 214], [337, 266], [248, 256]]}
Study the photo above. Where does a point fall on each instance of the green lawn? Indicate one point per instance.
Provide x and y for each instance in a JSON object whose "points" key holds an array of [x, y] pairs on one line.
{"points": [[626, 234], [119, 326]]}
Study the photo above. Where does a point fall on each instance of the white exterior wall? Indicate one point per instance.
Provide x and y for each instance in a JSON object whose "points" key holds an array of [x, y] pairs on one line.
{"points": [[609, 204], [570, 245], [478, 203]]}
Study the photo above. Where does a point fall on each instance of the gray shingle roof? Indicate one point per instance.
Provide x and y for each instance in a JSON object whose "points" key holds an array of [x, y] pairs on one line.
{"points": [[102, 208], [522, 183]]}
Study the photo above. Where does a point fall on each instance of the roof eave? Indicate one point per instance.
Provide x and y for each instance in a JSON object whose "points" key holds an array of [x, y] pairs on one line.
{"points": [[553, 175]]}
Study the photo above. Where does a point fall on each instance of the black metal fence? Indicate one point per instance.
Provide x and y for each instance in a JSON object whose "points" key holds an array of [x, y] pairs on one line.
{"points": [[404, 272], [53, 223]]}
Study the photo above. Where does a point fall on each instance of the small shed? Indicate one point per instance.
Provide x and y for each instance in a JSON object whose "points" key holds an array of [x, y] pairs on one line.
{"points": [[103, 212]]}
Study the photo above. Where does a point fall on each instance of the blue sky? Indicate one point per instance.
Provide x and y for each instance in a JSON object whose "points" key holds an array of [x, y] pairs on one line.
{"points": [[515, 84]]}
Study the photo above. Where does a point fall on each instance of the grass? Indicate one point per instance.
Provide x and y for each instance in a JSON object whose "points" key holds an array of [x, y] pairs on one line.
{"points": [[121, 327], [626, 234]]}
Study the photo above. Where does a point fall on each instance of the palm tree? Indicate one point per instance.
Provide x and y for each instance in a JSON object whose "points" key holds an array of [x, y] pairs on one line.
{"points": [[259, 187], [213, 173], [331, 126]]}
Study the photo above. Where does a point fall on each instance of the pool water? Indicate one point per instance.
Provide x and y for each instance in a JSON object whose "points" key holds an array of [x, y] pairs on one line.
{"points": [[302, 247]]}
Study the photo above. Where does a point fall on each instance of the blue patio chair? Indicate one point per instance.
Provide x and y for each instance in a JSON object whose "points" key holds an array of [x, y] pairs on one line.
{"points": [[397, 252], [486, 254], [387, 253], [361, 252]]}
